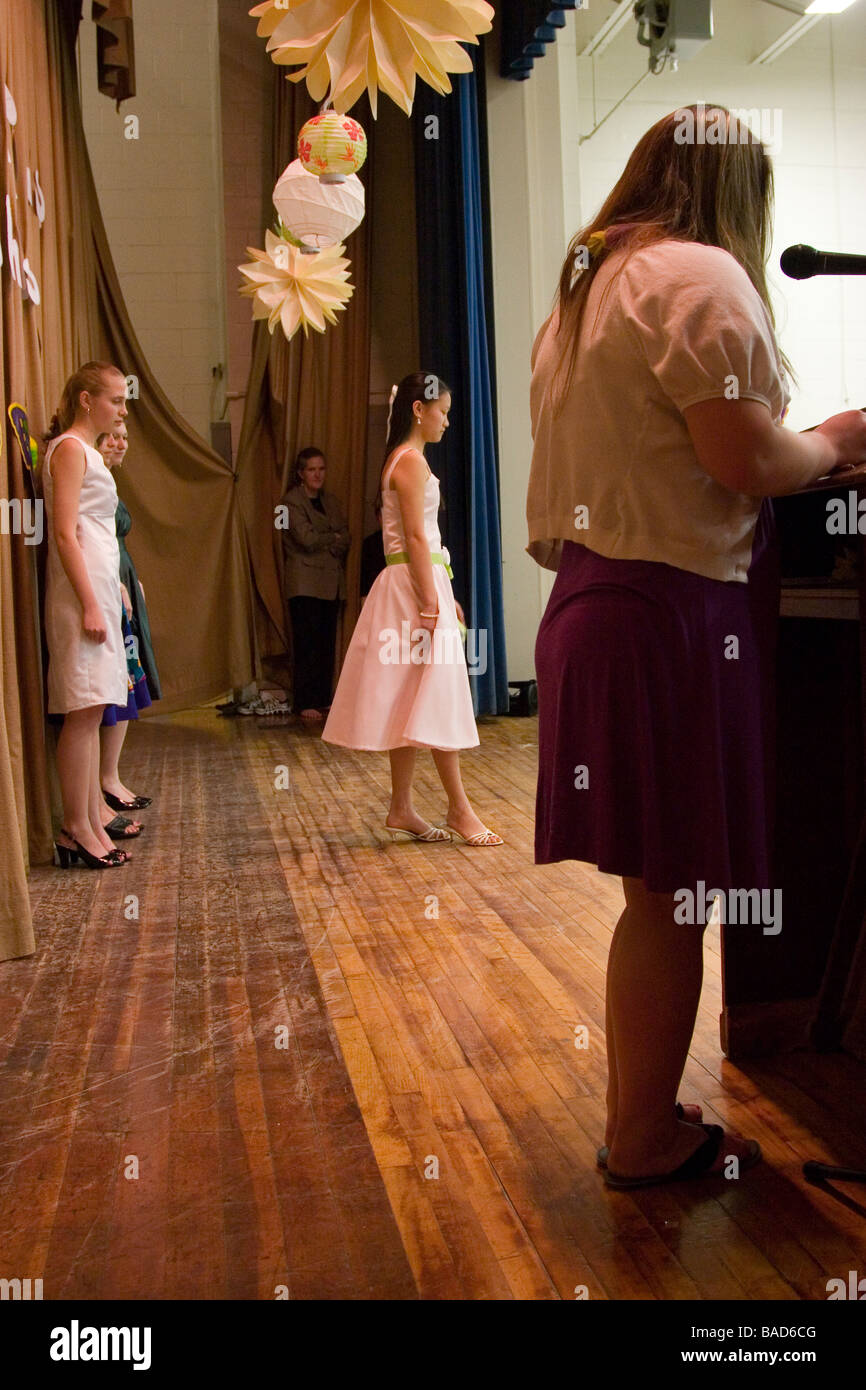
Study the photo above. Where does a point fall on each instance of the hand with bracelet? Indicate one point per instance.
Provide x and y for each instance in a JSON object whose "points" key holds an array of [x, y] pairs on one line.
{"points": [[428, 615], [399, 696]]}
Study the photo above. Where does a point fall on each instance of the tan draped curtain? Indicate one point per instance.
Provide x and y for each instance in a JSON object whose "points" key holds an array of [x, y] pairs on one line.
{"points": [[188, 538], [187, 535], [310, 391], [42, 334]]}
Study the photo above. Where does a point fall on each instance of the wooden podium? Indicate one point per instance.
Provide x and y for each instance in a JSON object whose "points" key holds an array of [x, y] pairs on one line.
{"points": [[785, 991]]}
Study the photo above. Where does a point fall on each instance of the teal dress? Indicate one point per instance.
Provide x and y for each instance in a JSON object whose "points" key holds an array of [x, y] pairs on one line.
{"points": [[140, 621]]}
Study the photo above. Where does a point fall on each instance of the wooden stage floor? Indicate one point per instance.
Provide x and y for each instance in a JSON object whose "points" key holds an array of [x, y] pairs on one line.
{"points": [[278, 1055]]}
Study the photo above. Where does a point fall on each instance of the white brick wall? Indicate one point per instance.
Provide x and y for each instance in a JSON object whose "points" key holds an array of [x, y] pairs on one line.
{"points": [[161, 195], [546, 183], [819, 86]]}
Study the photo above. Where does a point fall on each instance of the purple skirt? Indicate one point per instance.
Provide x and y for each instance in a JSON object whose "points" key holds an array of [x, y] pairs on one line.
{"points": [[655, 726], [139, 699]]}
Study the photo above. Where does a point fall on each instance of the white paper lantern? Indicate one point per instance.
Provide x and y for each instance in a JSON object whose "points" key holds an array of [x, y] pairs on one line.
{"points": [[318, 214]]}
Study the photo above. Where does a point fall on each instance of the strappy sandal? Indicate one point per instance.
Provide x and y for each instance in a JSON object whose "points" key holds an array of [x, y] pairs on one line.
{"points": [[708, 1161], [65, 856], [138, 803], [694, 1119], [484, 839], [118, 829], [433, 835]]}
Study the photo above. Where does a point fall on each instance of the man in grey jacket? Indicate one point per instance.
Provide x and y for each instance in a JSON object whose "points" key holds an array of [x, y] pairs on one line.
{"points": [[314, 545]]}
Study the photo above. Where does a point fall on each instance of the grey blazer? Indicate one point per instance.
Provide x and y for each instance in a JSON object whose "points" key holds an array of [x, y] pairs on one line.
{"points": [[314, 546]]}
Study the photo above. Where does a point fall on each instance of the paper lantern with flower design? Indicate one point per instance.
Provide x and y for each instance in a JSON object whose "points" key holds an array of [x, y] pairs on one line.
{"points": [[346, 46], [295, 288], [318, 214], [332, 146]]}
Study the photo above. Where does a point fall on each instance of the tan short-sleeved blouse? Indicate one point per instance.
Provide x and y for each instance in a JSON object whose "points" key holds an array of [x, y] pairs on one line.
{"points": [[681, 323]]}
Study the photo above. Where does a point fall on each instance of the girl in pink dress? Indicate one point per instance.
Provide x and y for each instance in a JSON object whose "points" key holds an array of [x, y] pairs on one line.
{"points": [[404, 683]]}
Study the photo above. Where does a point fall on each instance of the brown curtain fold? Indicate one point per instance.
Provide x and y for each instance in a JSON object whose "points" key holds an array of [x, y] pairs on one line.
{"points": [[188, 539], [187, 535], [115, 49], [180, 492], [309, 391], [260, 472], [16, 928], [42, 333]]}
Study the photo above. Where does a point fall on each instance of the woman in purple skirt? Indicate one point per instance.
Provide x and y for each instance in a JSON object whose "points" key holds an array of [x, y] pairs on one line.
{"points": [[658, 393]]}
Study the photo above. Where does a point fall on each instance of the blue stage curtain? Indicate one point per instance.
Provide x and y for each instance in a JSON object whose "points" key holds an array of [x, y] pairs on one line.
{"points": [[527, 26], [456, 340]]}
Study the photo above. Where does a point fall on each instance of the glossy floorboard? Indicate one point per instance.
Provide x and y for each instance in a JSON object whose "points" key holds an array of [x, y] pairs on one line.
{"points": [[278, 1053]]}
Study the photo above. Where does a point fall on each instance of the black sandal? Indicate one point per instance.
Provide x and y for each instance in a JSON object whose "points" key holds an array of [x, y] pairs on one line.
{"points": [[601, 1154], [697, 1165], [64, 857], [137, 804], [117, 829]]}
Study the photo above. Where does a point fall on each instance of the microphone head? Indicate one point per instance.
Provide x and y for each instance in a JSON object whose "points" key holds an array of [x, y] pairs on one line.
{"points": [[799, 262]]}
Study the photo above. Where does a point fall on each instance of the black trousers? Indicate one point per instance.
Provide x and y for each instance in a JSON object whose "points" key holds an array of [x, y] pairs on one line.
{"points": [[314, 634]]}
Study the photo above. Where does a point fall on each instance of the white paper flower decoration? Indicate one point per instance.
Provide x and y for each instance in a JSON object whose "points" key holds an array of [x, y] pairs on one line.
{"points": [[294, 288], [347, 45]]}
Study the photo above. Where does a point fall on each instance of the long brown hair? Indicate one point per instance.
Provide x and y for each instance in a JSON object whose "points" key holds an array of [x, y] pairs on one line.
{"points": [[717, 191], [91, 378]]}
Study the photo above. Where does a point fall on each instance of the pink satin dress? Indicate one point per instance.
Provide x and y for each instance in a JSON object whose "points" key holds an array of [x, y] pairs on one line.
{"points": [[398, 688]]}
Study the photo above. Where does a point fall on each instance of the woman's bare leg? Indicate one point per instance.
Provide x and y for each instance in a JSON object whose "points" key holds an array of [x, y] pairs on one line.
{"points": [[402, 813], [654, 977], [111, 737], [97, 806], [77, 746], [610, 1041], [460, 813]]}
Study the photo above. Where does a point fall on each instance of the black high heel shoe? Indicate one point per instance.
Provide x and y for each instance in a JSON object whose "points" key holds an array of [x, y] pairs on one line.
{"points": [[138, 803], [64, 857]]}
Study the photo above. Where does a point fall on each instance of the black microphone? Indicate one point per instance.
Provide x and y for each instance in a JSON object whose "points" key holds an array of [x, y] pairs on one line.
{"points": [[801, 262]]}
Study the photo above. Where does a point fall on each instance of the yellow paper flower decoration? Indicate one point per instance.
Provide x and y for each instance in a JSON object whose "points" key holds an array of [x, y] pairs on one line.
{"points": [[347, 45], [294, 289]]}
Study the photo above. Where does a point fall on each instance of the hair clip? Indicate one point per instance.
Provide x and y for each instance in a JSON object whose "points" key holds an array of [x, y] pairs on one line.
{"points": [[611, 237], [391, 399]]}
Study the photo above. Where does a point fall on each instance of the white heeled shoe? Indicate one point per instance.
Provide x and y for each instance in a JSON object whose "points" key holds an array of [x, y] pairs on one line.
{"points": [[484, 839], [431, 836]]}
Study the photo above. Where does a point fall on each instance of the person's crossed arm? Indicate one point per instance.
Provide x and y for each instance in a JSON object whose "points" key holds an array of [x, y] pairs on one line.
{"points": [[305, 534]]}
